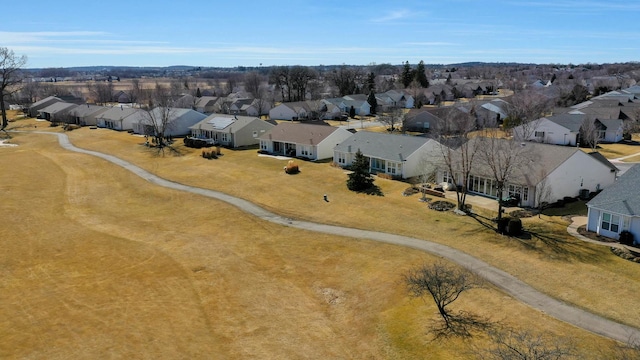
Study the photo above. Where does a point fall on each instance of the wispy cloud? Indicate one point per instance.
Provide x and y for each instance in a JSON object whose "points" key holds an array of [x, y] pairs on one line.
{"points": [[41, 36], [393, 15], [430, 43], [582, 6]]}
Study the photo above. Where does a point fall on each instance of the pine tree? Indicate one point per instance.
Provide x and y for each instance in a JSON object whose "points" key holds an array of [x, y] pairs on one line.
{"points": [[407, 75], [421, 76], [371, 82], [352, 112], [360, 180], [198, 93], [373, 102]]}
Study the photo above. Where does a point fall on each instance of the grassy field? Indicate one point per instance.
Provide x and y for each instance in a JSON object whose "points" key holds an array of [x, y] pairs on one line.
{"points": [[97, 261], [612, 151]]}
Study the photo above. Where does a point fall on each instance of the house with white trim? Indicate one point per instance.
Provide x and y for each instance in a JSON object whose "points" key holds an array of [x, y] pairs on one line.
{"points": [[231, 130], [565, 129], [119, 118], [544, 173], [310, 141], [177, 121], [617, 207], [401, 156]]}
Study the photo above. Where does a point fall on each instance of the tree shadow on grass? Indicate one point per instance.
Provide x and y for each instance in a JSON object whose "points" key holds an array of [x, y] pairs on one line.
{"points": [[373, 190], [558, 247], [462, 324]]}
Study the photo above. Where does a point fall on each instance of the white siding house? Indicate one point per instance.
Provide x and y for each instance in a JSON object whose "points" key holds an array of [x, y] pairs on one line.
{"points": [[617, 207], [177, 121], [313, 142], [400, 156], [545, 173]]}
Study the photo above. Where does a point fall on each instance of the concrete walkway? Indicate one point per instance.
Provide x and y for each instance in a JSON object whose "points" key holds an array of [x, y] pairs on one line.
{"points": [[501, 279], [578, 221]]}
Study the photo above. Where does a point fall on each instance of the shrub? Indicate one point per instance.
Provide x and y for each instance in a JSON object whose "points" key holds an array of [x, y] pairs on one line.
{"points": [[502, 225], [626, 238], [514, 227], [291, 168]]}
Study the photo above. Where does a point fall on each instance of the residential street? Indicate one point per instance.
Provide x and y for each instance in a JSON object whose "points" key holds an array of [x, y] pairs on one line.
{"points": [[503, 280]]}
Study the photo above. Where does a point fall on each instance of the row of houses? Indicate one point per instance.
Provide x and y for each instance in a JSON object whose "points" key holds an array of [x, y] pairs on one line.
{"points": [[336, 108], [558, 171]]}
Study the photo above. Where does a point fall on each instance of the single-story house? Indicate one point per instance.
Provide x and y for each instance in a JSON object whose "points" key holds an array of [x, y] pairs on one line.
{"points": [[565, 129], [56, 112], [177, 122], [314, 142], [231, 130], [617, 207], [401, 156], [543, 173], [119, 118], [86, 115], [304, 110], [41, 104], [394, 99], [360, 106], [205, 104]]}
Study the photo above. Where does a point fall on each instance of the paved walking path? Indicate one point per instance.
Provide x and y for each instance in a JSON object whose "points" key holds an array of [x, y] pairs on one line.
{"points": [[501, 279], [578, 221]]}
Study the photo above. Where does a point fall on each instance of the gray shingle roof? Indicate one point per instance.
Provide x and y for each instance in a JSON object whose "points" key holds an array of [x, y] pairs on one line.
{"points": [[623, 197], [382, 146], [573, 122]]}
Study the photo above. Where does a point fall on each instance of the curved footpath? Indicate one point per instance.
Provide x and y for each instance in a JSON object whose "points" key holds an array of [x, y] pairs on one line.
{"points": [[499, 278]]}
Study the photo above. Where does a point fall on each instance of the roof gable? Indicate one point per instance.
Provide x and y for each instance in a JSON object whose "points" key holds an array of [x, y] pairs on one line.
{"points": [[623, 196], [383, 146]]}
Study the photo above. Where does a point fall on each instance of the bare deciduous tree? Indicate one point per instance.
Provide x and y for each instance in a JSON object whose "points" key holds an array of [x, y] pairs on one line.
{"points": [[300, 77], [502, 158], [10, 78], [392, 118], [527, 106], [525, 345], [444, 284], [591, 133], [159, 116], [252, 83], [101, 92], [347, 79], [458, 153]]}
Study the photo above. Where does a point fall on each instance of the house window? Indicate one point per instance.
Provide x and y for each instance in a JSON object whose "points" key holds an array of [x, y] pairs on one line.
{"points": [[446, 177], [601, 134], [394, 168], [611, 222], [378, 164], [225, 137], [255, 134], [342, 158], [263, 145], [306, 151], [539, 134]]}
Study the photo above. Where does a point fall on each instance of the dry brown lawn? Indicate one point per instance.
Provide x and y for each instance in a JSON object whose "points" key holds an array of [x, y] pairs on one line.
{"points": [[99, 263], [612, 151]]}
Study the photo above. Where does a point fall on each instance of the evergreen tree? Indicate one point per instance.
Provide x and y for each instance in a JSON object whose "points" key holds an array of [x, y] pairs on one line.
{"points": [[407, 75], [352, 112], [421, 76], [373, 102], [360, 179], [371, 82], [198, 93]]}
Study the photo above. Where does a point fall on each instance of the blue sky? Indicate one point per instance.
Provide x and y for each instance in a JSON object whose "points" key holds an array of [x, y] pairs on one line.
{"points": [[296, 32]]}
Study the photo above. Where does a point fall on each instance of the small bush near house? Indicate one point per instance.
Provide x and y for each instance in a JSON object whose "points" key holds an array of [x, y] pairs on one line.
{"points": [[626, 238], [514, 227], [441, 206], [209, 155], [291, 168], [502, 225]]}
